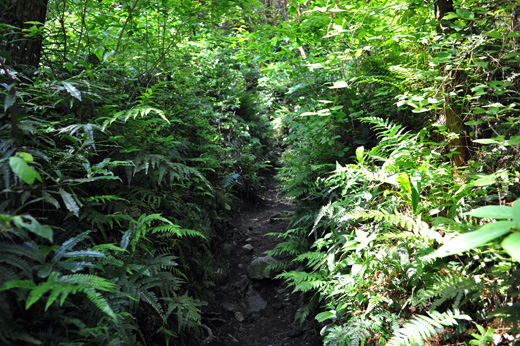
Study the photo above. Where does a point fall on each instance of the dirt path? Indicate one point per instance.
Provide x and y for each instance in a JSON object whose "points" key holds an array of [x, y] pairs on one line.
{"points": [[248, 310]]}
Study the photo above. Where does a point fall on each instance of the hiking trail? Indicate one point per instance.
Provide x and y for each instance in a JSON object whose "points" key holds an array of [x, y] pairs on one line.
{"points": [[251, 308]]}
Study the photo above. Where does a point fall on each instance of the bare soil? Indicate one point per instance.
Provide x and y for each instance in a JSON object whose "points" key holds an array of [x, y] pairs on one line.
{"points": [[248, 311]]}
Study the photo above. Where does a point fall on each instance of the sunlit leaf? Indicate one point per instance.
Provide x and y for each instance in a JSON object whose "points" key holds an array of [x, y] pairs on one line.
{"points": [[512, 246], [71, 89], [25, 172], [322, 316], [69, 201], [339, 84], [472, 240], [492, 211]]}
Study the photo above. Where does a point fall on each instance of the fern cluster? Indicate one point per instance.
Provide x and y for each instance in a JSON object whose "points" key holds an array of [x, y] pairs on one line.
{"points": [[367, 238], [110, 205]]}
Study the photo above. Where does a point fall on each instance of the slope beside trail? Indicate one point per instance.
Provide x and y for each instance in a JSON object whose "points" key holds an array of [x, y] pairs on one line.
{"points": [[247, 310]]}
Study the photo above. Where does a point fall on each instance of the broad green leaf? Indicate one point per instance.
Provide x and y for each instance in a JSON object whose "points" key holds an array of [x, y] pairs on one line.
{"points": [[450, 15], [516, 214], [492, 212], [515, 140], [322, 316], [25, 172], [71, 89], [339, 84], [494, 34], [69, 68], [10, 98], [465, 14], [404, 182], [99, 53], [486, 141], [34, 226], [359, 154], [472, 240], [26, 156], [69, 201], [512, 246]]}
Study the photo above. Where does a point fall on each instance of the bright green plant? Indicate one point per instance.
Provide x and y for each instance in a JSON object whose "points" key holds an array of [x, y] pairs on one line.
{"points": [[486, 336], [489, 232]]}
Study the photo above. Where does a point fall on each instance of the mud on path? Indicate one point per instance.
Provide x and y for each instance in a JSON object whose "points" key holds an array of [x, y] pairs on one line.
{"points": [[250, 308]]}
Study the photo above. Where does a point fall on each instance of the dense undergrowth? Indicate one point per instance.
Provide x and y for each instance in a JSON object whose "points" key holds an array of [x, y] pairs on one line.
{"points": [[119, 180], [401, 152], [143, 126]]}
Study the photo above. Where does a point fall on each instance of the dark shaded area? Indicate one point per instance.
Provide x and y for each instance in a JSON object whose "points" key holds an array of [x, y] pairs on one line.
{"points": [[248, 311]]}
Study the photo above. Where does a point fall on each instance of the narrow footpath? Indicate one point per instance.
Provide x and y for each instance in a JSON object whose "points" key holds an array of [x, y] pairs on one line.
{"points": [[250, 307]]}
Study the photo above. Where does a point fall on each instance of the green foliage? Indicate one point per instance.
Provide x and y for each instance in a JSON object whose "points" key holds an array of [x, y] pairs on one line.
{"points": [[489, 232], [419, 328], [142, 132], [143, 127]]}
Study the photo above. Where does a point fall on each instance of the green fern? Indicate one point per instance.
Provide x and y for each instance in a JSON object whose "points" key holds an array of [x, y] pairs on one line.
{"points": [[63, 286], [420, 328], [447, 286], [304, 282], [142, 111], [352, 334], [22, 257], [176, 230], [186, 309]]}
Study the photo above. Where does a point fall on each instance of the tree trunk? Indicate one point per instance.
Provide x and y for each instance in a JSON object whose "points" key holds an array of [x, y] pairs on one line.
{"points": [[452, 113], [441, 8], [21, 49]]}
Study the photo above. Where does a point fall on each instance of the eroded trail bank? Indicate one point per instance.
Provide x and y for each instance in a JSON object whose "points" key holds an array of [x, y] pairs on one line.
{"points": [[250, 307]]}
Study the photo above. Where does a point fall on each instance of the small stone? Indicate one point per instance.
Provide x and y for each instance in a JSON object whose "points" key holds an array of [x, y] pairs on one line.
{"points": [[256, 303], [249, 240], [295, 331], [277, 305], [229, 307], [257, 269], [219, 276], [239, 316], [242, 283], [248, 247], [226, 249]]}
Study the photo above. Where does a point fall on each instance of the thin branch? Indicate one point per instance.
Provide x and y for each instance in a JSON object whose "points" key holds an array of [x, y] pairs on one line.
{"points": [[124, 25], [81, 31]]}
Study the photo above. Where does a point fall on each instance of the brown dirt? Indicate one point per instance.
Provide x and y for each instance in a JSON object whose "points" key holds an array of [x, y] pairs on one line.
{"points": [[232, 319]]}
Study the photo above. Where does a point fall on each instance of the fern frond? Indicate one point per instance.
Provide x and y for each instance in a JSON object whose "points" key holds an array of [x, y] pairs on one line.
{"points": [[304, 282], [278, 266], [98, 300], [313, 259], [420, 328], [187, 311], [176, 230], [133, 113], [230, 179], [440, 284], [411, 224], [293, 247], [16, 255]]}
